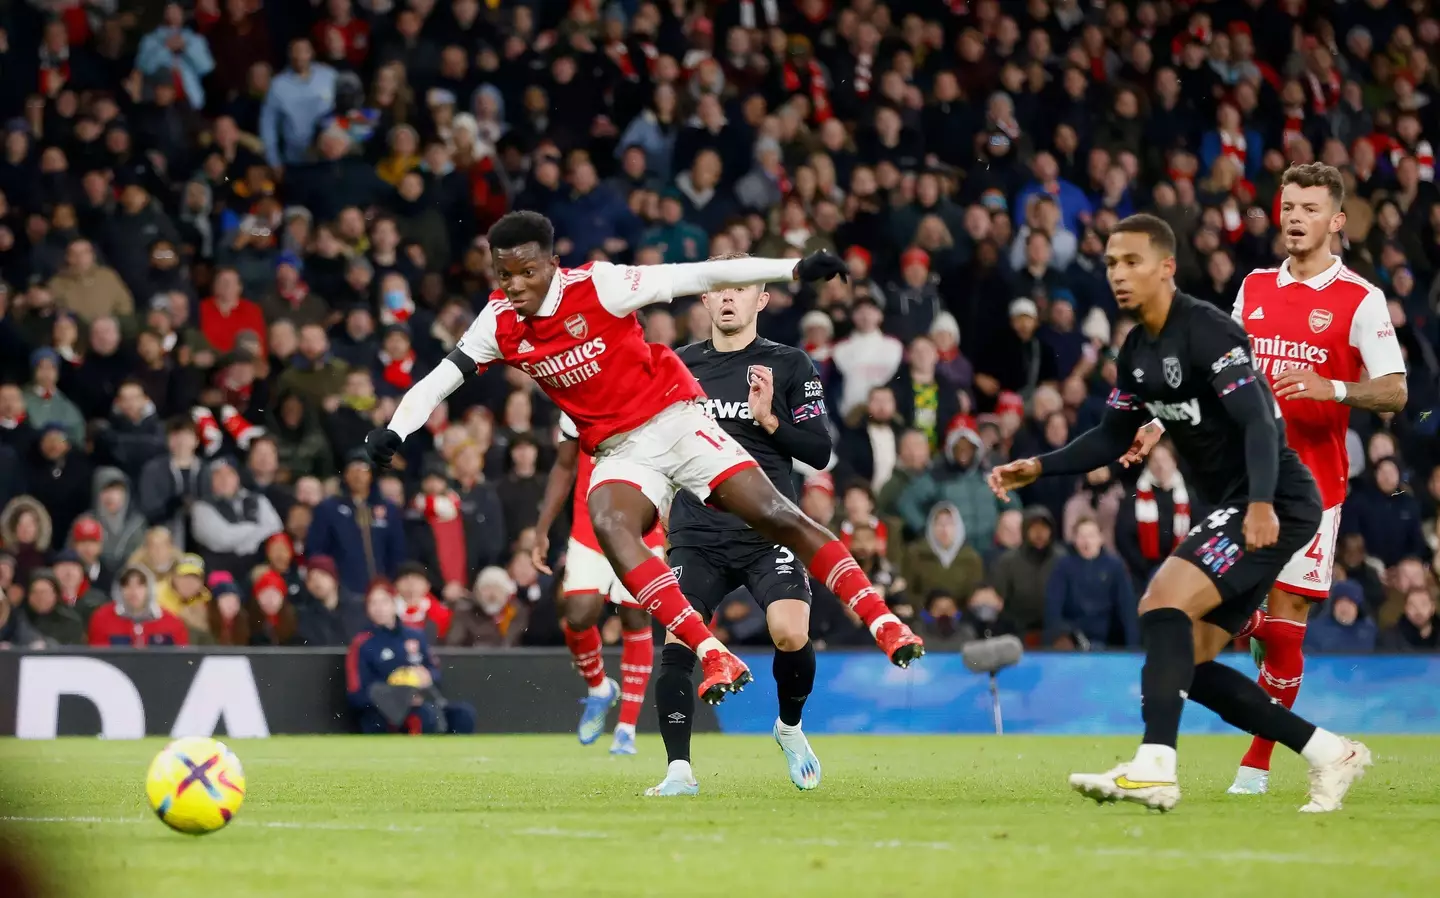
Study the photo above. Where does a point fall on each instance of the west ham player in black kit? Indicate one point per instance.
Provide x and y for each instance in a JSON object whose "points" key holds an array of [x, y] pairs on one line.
{"points": [[1188, 364], [768, 397]]}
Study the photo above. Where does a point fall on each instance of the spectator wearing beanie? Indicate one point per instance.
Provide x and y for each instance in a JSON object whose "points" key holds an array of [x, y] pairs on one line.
{"points": [[45, 404], [867, 358], [358, 528], [324, 616], [1022, 574], [226, 619], [271, 617], [1342, 627], [912, 303], [76, 590]]}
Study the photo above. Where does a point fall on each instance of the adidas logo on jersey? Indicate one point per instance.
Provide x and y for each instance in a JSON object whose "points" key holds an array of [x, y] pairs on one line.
{"points": [[525, 346], [1257, 315]]}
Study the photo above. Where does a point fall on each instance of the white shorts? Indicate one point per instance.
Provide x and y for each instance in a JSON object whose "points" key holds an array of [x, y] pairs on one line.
{"points": [[680, 448], [588, 571], [1308, 571]]}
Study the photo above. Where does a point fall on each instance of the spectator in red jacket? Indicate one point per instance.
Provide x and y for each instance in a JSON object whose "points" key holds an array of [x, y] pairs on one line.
{"points": [[417, 607], [227, 313], [135, 618]]}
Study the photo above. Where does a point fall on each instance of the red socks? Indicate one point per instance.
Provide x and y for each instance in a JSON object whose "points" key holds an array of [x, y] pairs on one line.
{"points": [[585, 646], [1280, 675], [654, 586], [834, 566], [636, 658]]}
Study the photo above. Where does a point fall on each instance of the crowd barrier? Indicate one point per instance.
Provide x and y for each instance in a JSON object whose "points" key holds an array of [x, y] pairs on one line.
{"points": [[123, 694]]}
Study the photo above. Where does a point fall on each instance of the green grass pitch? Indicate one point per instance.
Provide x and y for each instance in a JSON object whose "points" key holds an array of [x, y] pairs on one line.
{"points": [[896, 816]]}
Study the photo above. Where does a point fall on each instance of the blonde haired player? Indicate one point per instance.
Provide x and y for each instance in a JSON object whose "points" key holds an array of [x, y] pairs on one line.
{"points": [[1322, 335]]}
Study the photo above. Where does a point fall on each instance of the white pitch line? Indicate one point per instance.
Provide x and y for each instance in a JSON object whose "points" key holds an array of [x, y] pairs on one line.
{"points": [[551, 832]]}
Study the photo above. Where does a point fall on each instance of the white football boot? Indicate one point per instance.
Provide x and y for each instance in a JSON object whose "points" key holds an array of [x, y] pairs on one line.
{"points": [[1330, 782], [1116, 785]]}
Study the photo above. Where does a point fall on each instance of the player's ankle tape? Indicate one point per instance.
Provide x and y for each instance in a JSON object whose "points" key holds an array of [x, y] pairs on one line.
{"points": [[678, 656]]}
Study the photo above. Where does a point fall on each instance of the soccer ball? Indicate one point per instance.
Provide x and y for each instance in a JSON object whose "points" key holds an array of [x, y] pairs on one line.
{"points": [[195, 785]]}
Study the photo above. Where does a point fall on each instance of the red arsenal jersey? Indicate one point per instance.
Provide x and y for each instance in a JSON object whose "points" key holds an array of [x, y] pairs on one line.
{"points": [[1336, 323], [586, 350], [581, 530]]}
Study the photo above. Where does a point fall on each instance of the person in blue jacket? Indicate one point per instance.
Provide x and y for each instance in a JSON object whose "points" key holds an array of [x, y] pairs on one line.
{"points": [[1342, 627], [1089, 598], [385, 647], [360, 529]]}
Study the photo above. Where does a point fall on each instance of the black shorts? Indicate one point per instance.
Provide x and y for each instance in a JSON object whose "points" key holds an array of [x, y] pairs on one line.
{"points": [[708, 575], [1216, 545]]}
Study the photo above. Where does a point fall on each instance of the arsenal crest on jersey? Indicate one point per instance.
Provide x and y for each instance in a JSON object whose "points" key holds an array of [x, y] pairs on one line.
{"points": [[1320, 319], [576, 327], [1172, 372]]}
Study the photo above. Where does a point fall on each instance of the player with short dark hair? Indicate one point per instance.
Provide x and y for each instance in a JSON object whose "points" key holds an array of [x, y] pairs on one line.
{"points": [[768, 397], [1188, 364], [636, 410], [1322, 335]]}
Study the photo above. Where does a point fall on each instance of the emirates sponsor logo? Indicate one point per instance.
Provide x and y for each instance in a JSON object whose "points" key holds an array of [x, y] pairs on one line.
{"points": [[569, 367], [1320, 319], [1293, 350]]}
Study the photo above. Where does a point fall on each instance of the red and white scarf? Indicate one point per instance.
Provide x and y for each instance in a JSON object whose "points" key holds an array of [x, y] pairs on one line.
{"points": [[1424, 155], [819, 94], [398, 373], [1233, 145], [1147, 515], [1294, 125]]}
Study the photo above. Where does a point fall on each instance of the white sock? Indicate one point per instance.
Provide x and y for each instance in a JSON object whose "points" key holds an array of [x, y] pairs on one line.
{"points": [[785, 729], [1155, 762], [710, 645], [881, 621], [1323, 748], [602, 690], [627, 728], [680, 770]]}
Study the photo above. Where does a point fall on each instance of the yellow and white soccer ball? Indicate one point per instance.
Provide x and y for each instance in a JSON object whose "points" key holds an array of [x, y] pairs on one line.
{"points": [[195, 785]]}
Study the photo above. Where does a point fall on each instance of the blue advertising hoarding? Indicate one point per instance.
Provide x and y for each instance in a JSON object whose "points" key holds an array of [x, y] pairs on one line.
{"points": [[1074, 694]]}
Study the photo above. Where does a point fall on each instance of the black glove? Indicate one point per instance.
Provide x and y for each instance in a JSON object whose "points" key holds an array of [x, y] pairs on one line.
{"points": [[821, 266], [381, 445]]}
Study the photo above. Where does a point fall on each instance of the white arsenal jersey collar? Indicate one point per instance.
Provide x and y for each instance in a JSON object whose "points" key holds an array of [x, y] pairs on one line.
{"points": [[1318, 282]]}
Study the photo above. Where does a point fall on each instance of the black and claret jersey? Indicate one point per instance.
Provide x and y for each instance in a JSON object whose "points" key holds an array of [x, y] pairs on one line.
{"points": [[799, 404], [1183, 376]]}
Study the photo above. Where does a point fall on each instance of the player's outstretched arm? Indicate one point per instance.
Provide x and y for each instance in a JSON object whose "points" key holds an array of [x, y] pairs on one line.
{"points": [[626, 288], [557, 491], [1101, 444], [414, 410]]}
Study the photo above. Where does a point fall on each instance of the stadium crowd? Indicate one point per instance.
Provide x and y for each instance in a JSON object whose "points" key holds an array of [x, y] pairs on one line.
{"points": [[232, 233]]}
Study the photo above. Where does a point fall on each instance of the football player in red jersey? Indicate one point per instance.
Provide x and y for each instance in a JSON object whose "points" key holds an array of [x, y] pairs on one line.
{"points": [[635, 407], [589, 583], [1323, 336]]}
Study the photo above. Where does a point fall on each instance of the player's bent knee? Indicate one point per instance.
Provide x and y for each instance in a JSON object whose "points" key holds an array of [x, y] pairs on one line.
{"points": [[1287, 606], [676, 656], [789, 627], [1180, 584], [582, 611]]}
